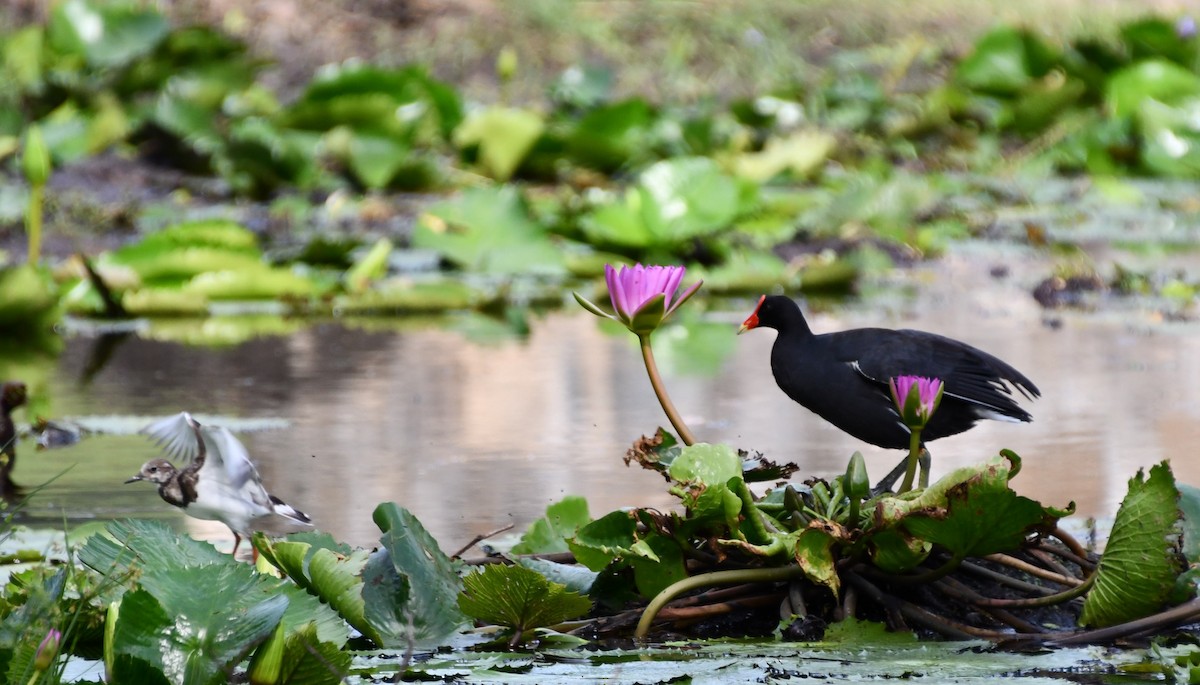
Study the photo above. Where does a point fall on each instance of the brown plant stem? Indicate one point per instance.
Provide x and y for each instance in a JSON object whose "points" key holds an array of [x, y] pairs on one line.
{"points": [[959, 590], [1015, 583], [916, 614], [685, 434], [1036, 571], [1184, 613]]}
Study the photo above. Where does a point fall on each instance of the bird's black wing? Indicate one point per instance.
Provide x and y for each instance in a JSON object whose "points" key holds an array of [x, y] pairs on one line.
{"points": [[968, 374]]}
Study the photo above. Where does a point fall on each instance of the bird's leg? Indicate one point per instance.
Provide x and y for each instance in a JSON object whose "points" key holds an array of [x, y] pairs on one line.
{"points": [[237, 540], [886, 483]]}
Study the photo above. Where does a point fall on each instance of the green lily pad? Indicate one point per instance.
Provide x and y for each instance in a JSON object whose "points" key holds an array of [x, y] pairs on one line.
{"points": [[551, 532], [1004, 62], [489, 230], [610, 537], [503, 136], [254, 283], [1149, 79], [404, 296], [675, 201], [105, 34]]}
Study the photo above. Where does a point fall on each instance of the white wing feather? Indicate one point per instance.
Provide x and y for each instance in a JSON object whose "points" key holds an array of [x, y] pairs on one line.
{"points": [[174, 434]]}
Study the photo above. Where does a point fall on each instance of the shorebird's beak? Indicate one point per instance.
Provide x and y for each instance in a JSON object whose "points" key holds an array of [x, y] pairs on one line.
{"points": [[134, 479]]}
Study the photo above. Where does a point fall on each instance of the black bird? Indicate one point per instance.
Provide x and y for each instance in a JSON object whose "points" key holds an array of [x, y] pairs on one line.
{"points": [[843, 377], [12, 395]]}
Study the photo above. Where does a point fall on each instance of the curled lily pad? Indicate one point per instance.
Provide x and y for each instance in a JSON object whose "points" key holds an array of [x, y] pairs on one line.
{"points": [[1143, 556]]}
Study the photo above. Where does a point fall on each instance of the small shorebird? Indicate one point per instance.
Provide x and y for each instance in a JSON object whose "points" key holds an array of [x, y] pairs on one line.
{"points": [[219, 483]]}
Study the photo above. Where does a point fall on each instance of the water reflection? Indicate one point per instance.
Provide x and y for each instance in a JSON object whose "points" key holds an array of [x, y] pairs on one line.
{"points": [[471, 437]]}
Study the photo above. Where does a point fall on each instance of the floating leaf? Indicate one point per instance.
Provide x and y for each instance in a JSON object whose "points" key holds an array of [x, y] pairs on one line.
{"points": [[402, 296], [489, 230], [503, 136], [675, 201], [705, 465], [253, 283], [1143, 556]]}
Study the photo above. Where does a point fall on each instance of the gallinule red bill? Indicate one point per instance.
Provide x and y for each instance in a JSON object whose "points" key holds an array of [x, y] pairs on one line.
{"points": [[843, 377], [219, 483]]}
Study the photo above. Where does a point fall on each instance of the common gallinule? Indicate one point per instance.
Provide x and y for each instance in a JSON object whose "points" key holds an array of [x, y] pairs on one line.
{"points": [[843, 377], [12, 395], [219, 483]]}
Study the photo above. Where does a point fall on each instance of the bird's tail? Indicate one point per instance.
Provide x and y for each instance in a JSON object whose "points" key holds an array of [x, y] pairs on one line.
{"points": [[285, 519]]}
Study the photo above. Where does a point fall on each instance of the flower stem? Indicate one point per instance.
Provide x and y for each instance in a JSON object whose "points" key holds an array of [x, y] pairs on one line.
{"points": [[914, 455], [33, 222], [664, 399]]}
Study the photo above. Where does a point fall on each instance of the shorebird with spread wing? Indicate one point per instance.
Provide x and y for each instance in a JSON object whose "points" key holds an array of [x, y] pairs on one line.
{"points": [[219, 483]]}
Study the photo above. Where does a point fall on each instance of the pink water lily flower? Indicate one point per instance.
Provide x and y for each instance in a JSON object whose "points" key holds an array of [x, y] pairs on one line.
{"points": [[916, 398], [642, 296], [47, 650]]}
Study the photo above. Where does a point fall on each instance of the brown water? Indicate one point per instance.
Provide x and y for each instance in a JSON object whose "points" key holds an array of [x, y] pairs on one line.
{"points": [[472, 437]]}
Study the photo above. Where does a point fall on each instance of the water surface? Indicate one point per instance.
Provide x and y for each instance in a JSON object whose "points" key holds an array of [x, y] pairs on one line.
{"points": [[472, 437]]}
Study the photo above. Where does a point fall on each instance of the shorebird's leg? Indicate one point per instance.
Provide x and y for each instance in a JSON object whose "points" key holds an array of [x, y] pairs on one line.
{"points": [[237, 540]]}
